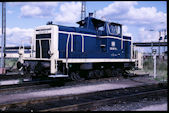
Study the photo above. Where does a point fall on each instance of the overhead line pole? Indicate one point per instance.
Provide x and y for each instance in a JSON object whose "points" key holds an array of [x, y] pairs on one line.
{"points": [[83, 10], [3, 39]]}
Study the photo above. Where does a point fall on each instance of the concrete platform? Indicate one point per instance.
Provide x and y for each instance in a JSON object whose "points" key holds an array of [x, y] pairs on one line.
{"points": [[72, 90]]}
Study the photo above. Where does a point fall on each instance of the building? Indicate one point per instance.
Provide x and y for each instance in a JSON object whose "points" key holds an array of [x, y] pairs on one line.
{"points": [[13, 52]]}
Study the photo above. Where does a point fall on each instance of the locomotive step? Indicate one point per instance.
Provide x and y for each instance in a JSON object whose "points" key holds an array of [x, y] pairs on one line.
{"points": [[55, 76]]}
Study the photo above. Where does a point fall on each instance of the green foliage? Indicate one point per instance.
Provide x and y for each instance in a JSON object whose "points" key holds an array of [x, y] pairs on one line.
{"points": [[148, 64], [10, 62], [162, 73]]}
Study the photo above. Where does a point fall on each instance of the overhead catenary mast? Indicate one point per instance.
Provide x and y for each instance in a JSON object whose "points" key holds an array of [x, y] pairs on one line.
{"points": [[3, 39], [83, 10]]}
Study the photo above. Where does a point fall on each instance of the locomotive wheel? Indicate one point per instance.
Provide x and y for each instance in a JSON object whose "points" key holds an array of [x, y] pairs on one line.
{"points": [[91, 75], [71, 76], [75, 76], [38, 69], [26, 70], [98, 73], [108, 72], [101, 73], [45, 73], [120, 72], [114, 72]]}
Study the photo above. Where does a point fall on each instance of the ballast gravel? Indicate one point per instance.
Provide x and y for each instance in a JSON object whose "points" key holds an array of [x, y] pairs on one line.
{"points": [[142, 105]]}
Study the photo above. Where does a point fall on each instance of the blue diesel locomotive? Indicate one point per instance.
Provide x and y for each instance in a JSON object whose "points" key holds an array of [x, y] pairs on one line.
{"points": [[96, 48]]}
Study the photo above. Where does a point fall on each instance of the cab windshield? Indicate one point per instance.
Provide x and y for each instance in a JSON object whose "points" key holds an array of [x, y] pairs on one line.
{"points": [[115, 29]]}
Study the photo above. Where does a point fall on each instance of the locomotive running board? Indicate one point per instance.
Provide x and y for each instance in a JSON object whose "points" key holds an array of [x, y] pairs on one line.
{"points": [[55, 76]]}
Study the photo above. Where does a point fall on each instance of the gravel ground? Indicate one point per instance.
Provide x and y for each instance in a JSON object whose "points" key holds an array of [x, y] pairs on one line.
{"points": [[118, 80], [142, 105], [70, 84], [134, 106]]}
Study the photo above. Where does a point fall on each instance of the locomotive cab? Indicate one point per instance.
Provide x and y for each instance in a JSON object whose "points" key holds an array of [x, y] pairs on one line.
{"points": [[102, 28]]}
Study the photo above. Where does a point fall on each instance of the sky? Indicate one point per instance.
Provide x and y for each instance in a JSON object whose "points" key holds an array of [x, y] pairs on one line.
{"points": [[138, 18]]}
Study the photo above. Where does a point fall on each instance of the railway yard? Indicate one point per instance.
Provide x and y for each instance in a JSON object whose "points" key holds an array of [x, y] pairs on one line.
{"points": [[133, 93], [94, 66]]}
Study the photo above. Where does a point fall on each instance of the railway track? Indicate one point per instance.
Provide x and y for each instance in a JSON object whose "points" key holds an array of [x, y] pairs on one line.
{"points": [[26, 85], [87, 101], [47, 84], [93, 104], [22, 88], [9, 76]]}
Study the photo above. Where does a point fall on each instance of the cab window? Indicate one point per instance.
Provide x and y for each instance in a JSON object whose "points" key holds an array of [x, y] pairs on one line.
{"points": [[101, 28], [115, 29]]}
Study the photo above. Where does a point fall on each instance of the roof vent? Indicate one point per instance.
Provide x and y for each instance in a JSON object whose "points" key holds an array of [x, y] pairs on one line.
{"points": [[90, 14], [49, 23]]}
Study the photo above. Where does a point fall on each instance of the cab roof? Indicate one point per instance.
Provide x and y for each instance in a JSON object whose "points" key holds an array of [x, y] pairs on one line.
{"points": [[96, 22]]}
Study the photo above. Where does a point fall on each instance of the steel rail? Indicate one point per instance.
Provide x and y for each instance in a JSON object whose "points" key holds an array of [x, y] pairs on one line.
{"points": [[23, 88], [91, 105], [26, 85], [87, 99]]}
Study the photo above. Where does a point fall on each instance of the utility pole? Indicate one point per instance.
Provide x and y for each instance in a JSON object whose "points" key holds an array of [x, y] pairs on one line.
{"points": [[155, 62], [164, 38], [83, 10], [3, 39], [95, 13], [160, 38]]}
